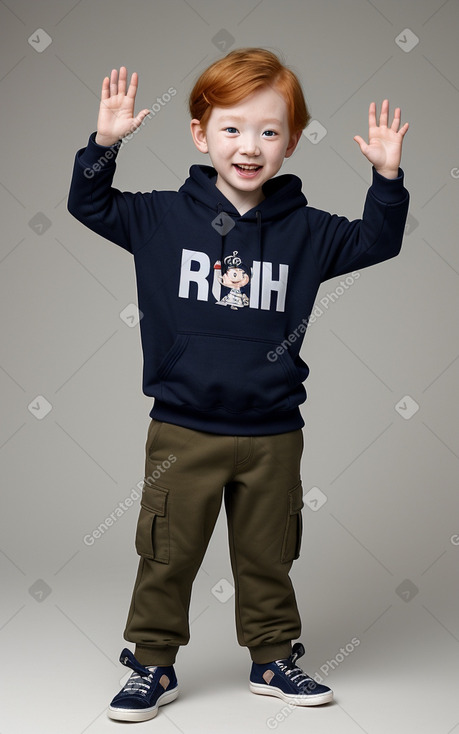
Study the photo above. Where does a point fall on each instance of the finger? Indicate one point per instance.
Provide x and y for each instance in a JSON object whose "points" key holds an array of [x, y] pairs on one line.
{"points": [[372, 115], [132, 91], [384, 113], [105, 89], [361, 142], [396, 121], [140, 117], [114, 82], [403, 129], [122, 80]]}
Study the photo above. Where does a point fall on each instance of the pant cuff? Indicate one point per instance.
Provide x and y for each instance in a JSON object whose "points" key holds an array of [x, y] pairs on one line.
{"points": [[149, 655], [268, 653]]}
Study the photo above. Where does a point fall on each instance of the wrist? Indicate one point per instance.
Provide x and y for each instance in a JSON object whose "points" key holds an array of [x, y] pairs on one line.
{"points": [[105, 141], [388, 172]]}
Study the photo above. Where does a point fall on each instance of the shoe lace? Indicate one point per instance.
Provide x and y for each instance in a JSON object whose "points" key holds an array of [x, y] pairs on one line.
{"points": [[139, 684], [295, 674]]}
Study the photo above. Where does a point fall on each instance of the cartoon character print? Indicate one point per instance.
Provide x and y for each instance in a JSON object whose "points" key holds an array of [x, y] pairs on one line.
{"points": [[235, 275]]}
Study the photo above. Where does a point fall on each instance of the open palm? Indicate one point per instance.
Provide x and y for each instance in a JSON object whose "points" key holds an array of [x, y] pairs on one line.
{"points": [[116, 113], [384, 147]]}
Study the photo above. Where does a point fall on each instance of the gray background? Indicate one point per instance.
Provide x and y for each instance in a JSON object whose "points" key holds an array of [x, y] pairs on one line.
{"points": [[381, 541]]}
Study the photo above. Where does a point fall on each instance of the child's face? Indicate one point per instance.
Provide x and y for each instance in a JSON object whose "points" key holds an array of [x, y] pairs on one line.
{"points": [[247, 144]]}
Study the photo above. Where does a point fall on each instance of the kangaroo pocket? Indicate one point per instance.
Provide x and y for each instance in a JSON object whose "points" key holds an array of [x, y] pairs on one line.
{"points": [[234, 373]]}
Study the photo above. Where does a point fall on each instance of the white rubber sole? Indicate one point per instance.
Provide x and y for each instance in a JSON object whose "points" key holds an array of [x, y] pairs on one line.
{"points": [[314, 699], [119, 714]]}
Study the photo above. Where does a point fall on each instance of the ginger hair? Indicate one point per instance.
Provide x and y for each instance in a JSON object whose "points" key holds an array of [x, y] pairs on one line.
{"points": [[243, 71]]}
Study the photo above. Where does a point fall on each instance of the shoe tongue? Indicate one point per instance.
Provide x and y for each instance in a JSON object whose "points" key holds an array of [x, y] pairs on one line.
{"points": [[128, 659], [297, 652]]}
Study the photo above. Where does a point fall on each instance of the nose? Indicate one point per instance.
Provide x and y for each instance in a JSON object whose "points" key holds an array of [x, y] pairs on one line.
{"points": [[248, 145]]}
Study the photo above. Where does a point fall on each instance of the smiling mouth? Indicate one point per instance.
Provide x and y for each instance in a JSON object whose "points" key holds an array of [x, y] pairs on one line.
{"points": [[247, 170], [247, 166]]}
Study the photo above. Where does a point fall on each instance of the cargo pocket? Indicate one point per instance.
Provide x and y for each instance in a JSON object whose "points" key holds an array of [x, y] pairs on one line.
{"points": [[294, 526], [152, 535]]}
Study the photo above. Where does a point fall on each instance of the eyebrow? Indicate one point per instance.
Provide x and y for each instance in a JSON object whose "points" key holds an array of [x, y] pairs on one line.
{"points": [[237, 118]]}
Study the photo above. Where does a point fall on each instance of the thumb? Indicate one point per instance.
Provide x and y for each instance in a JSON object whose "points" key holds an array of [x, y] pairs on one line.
{"points": [[361, 142], [140, 117]]}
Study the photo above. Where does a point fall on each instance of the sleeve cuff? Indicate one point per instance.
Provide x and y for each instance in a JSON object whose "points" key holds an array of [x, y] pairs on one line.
{"points": [[97, 156], [389, 190]]}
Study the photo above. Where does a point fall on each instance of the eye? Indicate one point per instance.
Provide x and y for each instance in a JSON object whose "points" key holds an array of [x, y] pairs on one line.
{"points": [[230, 130], [270, 133]]}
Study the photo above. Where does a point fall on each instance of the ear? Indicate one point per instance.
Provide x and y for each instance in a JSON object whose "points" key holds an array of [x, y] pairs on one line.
{"points": [[293, 142], [199, 136]]}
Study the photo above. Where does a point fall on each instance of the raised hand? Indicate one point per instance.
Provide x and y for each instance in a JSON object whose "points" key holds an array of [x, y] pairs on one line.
{"points": [[384, 147], [116, 113]]}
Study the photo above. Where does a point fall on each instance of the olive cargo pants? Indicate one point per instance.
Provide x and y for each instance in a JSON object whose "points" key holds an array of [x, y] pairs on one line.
{"points": [[187, 473]]}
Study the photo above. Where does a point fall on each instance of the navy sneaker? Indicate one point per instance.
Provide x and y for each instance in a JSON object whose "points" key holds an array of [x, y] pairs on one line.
{"points": [[147, 689], [284, 679]]}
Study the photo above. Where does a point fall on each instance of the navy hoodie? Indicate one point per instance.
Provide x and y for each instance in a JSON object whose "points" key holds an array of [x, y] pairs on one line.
{"points": [[225, 299]]}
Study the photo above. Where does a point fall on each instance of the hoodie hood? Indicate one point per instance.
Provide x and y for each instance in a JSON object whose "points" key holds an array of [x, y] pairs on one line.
{"points": [[283, 196]]}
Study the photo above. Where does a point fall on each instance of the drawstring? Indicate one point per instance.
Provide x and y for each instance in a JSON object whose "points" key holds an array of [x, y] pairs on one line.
{"points": [[222, 245], [259, 237], [236, 258]]}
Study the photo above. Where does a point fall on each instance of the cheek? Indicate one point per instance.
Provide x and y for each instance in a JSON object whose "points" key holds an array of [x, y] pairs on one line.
{"points": [[219, 144], [276, 151]]}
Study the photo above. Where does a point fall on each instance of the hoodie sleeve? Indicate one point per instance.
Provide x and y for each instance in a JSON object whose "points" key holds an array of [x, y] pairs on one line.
{"points": [[341, 245], [125, 218]]}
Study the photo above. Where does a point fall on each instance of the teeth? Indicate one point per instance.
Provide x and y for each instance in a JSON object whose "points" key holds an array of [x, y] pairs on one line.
{"points": [[247, 167]]}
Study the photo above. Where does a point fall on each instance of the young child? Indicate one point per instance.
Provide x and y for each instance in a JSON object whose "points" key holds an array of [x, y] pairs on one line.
{"points": [[227, 382]]}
